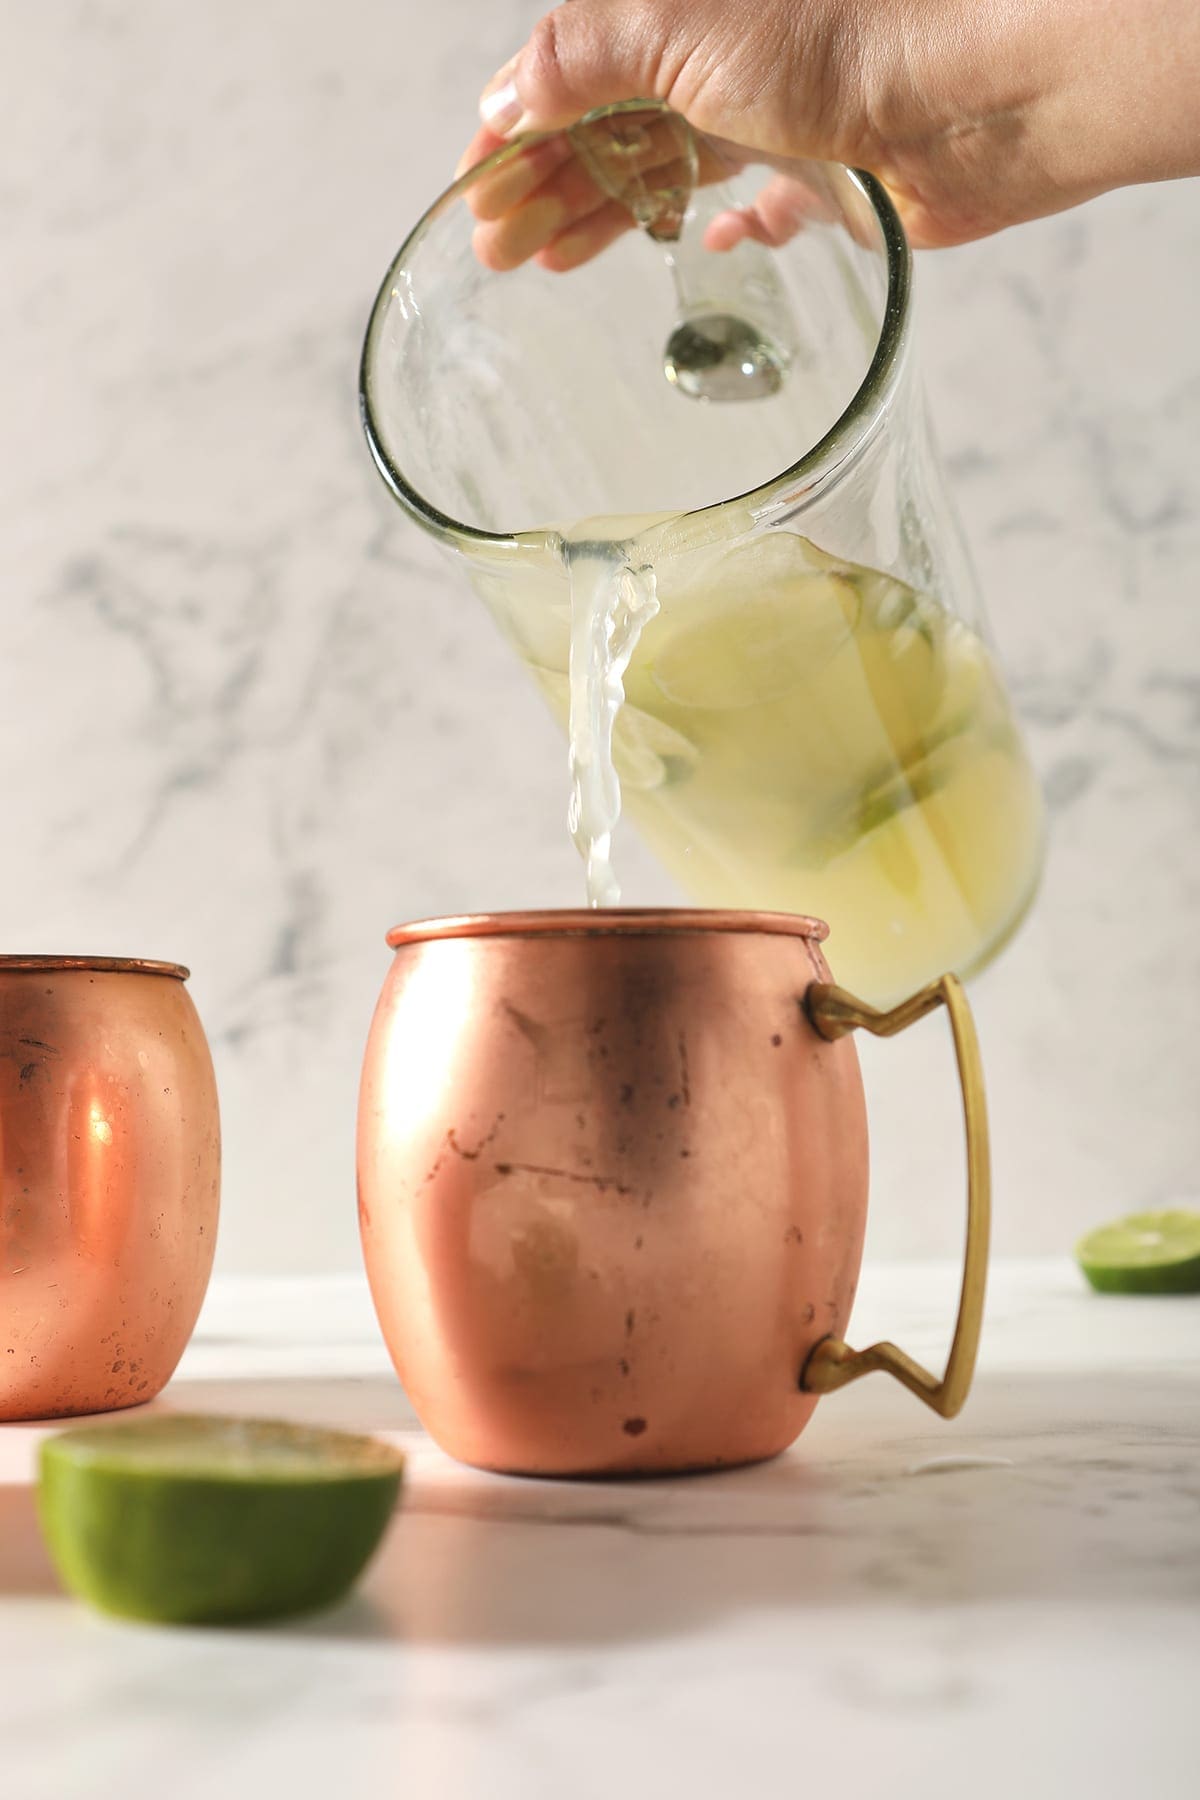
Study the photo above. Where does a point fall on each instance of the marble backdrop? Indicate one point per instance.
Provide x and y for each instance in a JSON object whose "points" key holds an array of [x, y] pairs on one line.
{"points": [[248, 719]]}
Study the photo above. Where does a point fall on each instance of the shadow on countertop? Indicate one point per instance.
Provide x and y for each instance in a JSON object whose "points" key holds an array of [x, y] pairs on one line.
{"points": [[1091, 1498]]}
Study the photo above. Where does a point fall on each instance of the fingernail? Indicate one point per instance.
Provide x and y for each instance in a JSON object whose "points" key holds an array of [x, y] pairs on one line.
{"points": [[501, 108]]}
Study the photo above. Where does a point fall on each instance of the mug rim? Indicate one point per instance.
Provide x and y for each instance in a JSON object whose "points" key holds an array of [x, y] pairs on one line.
{"points": [[104, 965], [617, 921]]}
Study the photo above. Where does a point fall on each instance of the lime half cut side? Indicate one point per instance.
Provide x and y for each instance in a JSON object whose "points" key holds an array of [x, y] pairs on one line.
{"points": [[202, 1520], [1149, 1253]]}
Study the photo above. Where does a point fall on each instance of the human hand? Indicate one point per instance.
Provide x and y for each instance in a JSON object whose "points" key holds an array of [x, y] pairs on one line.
{"points": [[974, 117]]}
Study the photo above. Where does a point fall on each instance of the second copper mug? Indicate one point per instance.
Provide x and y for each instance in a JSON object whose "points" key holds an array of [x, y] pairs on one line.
{"points": [[613, 1186], [110, 1163]]}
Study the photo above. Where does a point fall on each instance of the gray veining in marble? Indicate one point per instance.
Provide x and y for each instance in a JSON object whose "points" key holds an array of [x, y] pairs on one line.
{"points": [[243, 709]]}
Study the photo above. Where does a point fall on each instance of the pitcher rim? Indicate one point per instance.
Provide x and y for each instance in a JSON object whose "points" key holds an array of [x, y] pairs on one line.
{"points": [[827, 459]]}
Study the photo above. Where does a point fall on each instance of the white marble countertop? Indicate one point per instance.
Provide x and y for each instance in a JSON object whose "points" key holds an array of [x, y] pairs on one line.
{"points": [[869, 1615]]}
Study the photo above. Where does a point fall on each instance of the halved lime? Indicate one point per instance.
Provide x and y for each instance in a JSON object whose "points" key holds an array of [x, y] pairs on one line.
{"points": [[1149, 1253], [202, 1520]]}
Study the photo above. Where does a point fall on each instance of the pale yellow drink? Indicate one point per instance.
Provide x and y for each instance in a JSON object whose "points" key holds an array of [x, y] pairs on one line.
{"points": [[807, 735]]}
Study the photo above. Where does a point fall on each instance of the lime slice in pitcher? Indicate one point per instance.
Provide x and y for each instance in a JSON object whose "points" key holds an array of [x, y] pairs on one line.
{"points": [[198, 1520], [1149, 1253]]}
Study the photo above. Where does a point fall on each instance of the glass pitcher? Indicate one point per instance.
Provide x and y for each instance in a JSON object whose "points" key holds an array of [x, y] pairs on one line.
{"points": [[802, 705]]}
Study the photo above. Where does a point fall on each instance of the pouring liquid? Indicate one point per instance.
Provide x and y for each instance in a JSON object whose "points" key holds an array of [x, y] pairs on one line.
{"points": [[611, 604], [790, 731]]}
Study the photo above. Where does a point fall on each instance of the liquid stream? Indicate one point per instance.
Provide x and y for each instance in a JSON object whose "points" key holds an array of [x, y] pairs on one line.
{"points": [[788, 731]]}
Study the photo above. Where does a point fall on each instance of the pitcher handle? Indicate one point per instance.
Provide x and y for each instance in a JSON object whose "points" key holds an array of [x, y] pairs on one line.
{"points": [[832, 1363]]}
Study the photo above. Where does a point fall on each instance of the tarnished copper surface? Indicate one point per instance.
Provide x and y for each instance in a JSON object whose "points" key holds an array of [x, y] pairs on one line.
{"points": [[109, 1180], [612, 1185]]}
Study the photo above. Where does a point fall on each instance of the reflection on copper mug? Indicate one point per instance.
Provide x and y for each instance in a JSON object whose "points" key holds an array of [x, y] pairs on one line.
{"points": [[109, 1180], [613, 1186]]}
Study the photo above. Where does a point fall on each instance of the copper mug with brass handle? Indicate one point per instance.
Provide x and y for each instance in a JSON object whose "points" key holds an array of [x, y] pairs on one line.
{"points": [[613, 1186]]}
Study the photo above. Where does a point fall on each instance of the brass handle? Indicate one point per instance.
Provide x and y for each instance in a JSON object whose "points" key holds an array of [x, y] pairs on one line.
{"points": [[832, 1363]]}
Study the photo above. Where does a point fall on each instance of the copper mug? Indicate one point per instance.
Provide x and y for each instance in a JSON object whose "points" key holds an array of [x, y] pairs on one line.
{"points": [[613, 1186], [109, 1180]]}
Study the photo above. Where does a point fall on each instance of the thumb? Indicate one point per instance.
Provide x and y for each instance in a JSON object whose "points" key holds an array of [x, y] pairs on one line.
{"points": [[585, 54]]}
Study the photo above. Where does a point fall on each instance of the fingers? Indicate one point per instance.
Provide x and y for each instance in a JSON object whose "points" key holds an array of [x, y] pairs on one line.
{"points": [[551, 201], [562, 198], [568, 198], [478, 150], [780, 212], [542, 230], [518, 177], [582, 55], [551, 187], [587, 238]]}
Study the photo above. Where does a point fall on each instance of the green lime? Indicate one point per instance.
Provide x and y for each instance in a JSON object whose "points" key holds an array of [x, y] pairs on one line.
{"points": [[196, 1520], [1150, 1253]]}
